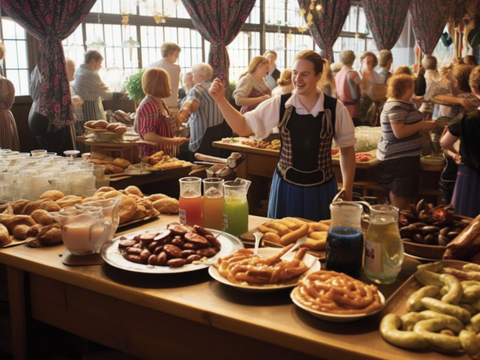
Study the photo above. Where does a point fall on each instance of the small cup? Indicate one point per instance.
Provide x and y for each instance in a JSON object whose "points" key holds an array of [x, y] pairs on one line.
{"points": [[38, 153], [71, 153]]}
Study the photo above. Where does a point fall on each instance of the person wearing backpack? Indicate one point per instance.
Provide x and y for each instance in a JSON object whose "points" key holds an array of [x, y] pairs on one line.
{"points": [[304, 182]]}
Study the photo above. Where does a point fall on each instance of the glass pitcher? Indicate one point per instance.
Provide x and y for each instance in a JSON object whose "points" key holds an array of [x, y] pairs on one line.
{"points": [[212, 203], [110, 209], [84, 231], [344, 248], [235, 206], [383, 245]]}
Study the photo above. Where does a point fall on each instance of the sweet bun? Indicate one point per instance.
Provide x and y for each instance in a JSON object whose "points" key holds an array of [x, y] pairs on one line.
{"points": [[111, 194], [49, 206], [134, 190], [100, 124], [69, 200], [104, 189], [166, 205], [128, 207], [113, 169], [89, 124], [120, 129], [52, 195], [121, 162], [42, 217], [112, 126], [155, 197]]}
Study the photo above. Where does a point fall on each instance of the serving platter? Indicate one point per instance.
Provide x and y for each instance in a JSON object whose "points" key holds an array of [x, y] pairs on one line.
{"points": [[112, 256], [339, 318], [309, 260]]}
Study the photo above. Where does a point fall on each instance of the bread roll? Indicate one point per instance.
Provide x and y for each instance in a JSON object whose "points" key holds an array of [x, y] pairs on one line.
{"points": [[121, 162], [34, 205], [113, 169], [49, 206], [128, 206], [69, 200], [111, 194], [4, 236], [155, 197], [89, 124], [134, 190], [104, 189], [20, 232], [166, 205], [41, 217], [120, 130], [52, 194], [100, 124], [10, 221], [112, 126]]}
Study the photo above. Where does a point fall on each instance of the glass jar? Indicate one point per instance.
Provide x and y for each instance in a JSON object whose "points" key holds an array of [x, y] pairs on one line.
{"points": [[383, 245]]}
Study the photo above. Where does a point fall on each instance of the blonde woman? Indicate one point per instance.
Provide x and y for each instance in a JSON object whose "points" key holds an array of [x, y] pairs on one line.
{"points": [[285, 85], [152, 121], [251, 90]]}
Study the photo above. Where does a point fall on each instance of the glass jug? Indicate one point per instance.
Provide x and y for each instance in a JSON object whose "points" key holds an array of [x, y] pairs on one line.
{"points": [[190, 201], [84, 231], [383, 245], [110, 209], [235, 206], [344, 248]]}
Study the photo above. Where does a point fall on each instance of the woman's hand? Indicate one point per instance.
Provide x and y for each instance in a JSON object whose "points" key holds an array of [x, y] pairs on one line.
{"points": [[429, 124], [177, 141]]}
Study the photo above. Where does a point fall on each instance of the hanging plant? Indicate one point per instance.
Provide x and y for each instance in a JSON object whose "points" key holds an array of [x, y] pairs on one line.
{"points": [[133, 86]]}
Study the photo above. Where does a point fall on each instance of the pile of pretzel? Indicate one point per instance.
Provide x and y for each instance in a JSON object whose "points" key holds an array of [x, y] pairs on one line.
{"points": [[337, 293], [242, 267], [162, 161], [288, 230]]}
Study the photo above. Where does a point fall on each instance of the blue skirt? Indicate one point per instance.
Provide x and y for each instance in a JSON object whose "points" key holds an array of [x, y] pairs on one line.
{"points": [[466, 195], [312, 203]]}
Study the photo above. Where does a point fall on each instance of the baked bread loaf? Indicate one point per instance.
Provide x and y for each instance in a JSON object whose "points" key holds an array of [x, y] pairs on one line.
{"points": [[466, 244], [155, 197], [167, 205], [52, 195], [69, 200], [113, 169], [121, 162], [128, 207], [4, 235], [134, 190]]}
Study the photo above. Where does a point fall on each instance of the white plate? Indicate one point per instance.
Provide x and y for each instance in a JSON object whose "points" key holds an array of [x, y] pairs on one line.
{"points": [[334, 317], [310, 260], [111, 255], [421, 258]]}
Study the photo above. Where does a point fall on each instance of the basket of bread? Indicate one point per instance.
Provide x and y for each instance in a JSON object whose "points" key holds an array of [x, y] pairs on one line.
{"points": [[103, 131], [26, 220]]}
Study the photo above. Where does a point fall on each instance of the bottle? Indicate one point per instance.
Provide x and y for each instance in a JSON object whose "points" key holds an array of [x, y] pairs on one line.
{"points": [[344, 247], [383, 245]]}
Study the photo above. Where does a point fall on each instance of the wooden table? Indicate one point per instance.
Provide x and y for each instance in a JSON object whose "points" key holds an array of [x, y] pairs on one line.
{"points": [[260, 164], [182, 316]]}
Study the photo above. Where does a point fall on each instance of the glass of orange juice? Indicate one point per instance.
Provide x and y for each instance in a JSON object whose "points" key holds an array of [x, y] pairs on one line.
{"points": [[212, 203], [190, 201]]}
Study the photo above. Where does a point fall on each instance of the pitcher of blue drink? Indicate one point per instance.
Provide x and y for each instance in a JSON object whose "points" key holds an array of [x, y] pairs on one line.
{"points": [[235, 206], [344, 248]]}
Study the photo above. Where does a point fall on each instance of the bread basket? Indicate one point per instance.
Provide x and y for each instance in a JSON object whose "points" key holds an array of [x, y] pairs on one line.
{"points": [[102, 135]]}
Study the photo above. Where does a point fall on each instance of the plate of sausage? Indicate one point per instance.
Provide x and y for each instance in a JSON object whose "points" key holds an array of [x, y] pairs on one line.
{"points": [[337, 297], [265, 272], [174, 249]]}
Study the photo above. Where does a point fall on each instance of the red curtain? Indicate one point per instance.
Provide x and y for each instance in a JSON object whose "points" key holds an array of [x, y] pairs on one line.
{"points": [[219, 22], [428, 24], [386, 20], [51, 21], [327, 24]]}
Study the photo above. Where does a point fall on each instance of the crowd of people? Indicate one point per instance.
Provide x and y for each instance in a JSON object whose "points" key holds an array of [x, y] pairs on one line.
{"points": [[311, 103]]}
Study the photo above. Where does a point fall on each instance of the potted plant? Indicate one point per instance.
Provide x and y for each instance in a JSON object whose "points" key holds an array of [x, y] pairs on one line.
{"points": [[133, 85]]}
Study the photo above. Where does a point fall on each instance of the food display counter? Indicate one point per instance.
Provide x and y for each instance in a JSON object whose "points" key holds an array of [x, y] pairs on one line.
{"points": [[181, 316], [260, 164]]}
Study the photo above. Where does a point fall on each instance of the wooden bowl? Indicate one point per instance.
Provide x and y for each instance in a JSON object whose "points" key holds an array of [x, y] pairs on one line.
{"points": [[424, 251]]}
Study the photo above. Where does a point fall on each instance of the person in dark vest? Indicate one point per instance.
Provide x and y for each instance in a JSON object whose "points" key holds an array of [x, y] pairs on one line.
{"points": [[304, 182]]}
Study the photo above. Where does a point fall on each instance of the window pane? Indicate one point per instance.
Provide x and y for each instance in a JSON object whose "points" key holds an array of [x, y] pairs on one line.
{"points": [[245, 46], [254, 17], [16, 59], [351, 21]]}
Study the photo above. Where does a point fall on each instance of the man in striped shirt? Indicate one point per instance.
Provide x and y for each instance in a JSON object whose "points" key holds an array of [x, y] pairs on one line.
{"points": [[200, 109]]}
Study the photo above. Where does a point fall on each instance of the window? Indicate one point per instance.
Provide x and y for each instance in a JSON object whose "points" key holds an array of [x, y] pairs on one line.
{"points": [[129, 34], [15, 64]]}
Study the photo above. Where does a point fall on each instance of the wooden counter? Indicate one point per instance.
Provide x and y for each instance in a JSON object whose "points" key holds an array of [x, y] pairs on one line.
{"points": [[126, 150], [182, 316], [260, 164]]}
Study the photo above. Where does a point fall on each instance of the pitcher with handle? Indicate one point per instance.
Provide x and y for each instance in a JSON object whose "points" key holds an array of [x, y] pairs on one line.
{"points": [[235, 206], [84, 231], [110, 209]]}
